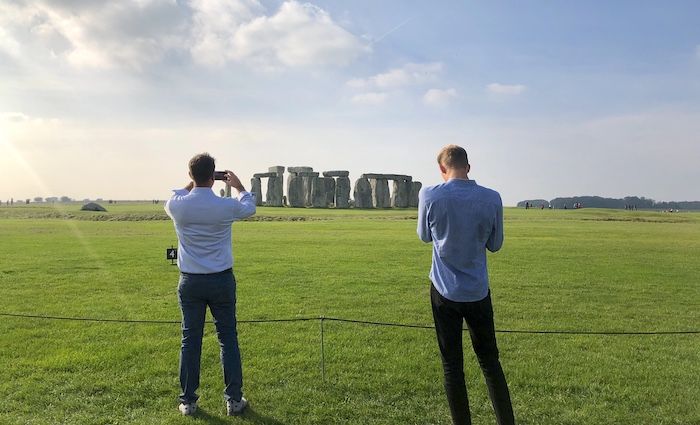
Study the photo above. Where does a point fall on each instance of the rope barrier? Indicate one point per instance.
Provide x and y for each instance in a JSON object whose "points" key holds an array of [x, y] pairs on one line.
{"points": [[362, 322]]}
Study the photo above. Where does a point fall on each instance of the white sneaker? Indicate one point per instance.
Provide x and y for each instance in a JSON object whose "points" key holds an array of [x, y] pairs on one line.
{"points": [[234, 408], [188, 409]]}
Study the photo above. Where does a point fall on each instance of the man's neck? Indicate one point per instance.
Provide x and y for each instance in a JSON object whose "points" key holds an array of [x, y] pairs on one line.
{"points": [[457, 176]]}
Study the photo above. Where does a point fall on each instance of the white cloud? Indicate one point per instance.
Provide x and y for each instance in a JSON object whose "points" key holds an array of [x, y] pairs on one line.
{"points": [[409, 74], [297, 35], [14, 117], [136, 33], [370, 98], [124, 34], [8, 44], [506, 89], [438, 97]]}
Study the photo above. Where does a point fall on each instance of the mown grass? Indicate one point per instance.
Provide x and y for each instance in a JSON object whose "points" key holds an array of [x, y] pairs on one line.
{"points": [[568, 270]]}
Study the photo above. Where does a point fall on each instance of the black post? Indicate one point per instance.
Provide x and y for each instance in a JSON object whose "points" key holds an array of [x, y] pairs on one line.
{"points": [[323, 355]]}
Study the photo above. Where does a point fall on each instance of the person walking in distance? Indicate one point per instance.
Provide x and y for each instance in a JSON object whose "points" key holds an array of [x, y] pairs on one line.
{"points": [[463, 220], [203, 226]]}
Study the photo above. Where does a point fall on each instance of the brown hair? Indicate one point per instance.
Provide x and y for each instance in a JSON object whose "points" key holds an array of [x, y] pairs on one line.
{"points": [[453, 156], [202, 168]]}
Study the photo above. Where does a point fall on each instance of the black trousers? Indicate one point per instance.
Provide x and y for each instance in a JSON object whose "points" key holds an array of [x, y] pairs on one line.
{"points": [[448, 316]]}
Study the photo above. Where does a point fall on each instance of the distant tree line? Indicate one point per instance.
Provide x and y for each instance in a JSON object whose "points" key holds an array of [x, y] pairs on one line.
{"points": [[600, 202]]}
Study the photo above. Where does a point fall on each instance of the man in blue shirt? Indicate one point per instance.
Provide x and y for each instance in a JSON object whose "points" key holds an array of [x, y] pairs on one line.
{"points": [[463, 220], [203, 226]]}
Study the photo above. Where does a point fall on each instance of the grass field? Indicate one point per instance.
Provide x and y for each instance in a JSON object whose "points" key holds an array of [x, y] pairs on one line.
{"points": [[559, 270]]}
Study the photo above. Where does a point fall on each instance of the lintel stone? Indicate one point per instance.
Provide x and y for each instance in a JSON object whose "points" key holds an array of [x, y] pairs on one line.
{"points": [[336, 173], [262, 175]]}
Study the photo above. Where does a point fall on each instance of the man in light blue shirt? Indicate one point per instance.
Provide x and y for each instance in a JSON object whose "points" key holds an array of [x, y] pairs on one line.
{"points": [[463, 220], [203, 226]]}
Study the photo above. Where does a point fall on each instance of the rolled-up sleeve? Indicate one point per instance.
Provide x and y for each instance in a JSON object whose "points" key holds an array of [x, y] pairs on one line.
{"points": [[495, 241], [423, 229]]}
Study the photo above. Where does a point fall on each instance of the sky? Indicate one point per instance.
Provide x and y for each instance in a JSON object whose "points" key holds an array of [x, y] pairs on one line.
{"points": [[104, 99]]}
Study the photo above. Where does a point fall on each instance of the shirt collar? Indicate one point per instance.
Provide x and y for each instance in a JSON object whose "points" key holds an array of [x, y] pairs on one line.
{"points": [[461, 181], [202, 190]]}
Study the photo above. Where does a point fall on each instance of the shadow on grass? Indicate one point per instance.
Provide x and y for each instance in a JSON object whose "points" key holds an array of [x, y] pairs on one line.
{"points": [[250, 415]]}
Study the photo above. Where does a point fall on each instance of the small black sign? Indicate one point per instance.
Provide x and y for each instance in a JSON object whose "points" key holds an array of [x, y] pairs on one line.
{"points": [[171, 254]]}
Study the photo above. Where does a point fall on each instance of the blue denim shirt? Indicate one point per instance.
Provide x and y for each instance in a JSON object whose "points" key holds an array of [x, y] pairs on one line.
{"points": [[462, 220]]}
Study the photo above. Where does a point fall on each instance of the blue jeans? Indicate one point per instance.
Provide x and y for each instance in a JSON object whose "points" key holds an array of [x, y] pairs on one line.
{"points": [[196, 292]]}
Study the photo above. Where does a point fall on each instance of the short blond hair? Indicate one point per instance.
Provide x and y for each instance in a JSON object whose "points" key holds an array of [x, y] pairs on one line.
{"points": [[453, 156]]}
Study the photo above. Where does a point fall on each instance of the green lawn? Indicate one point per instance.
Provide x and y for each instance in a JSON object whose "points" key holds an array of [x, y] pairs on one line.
{"points": [[559, 270]]}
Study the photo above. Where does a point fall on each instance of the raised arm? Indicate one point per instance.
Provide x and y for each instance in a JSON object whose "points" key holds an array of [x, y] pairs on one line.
{"points": [[495, 241], [423, 229], [244, 206]]}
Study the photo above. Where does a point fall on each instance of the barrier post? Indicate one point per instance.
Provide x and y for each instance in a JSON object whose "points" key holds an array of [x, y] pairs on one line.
{"points": [[323, 354]]}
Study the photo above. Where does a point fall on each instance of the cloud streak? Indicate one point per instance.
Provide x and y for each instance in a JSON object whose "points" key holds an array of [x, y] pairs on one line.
{"points": [[408, 75], [439, 97], [506, 89]]}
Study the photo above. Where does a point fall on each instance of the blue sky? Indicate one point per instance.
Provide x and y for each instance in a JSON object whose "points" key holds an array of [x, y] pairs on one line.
{"points": [[549, 98]]}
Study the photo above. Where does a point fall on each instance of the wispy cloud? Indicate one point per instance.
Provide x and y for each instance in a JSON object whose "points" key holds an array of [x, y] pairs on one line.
{"points": [[439, 97], [370, 98], [14, 117], [409, 74], [506, 89]]}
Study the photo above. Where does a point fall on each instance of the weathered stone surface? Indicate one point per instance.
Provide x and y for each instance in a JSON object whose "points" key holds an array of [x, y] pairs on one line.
{"points": [[227, 193], [307, 174], [308, 187], [295, 191], [336, 173], [318, 192], [92, 206], [300, 169], [256, 190], [363, 193], [413, 197], [380, 193], [330, 190], [387, 176], [277, 169], [274, 191], [263, 175], [401, 194], [342, 192]]}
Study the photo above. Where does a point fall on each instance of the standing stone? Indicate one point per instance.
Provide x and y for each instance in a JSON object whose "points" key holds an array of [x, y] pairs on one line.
{"points": [[318, 192], [402, 191], [256, 190], [277, 169], [363, 193], [342, 192], [307, 177], [380, 193], [295, 191], [330, 190], [274, 191], [413, 197]]}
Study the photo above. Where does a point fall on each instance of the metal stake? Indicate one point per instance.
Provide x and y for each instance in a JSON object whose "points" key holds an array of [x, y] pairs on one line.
{"points": [[323, 355]]}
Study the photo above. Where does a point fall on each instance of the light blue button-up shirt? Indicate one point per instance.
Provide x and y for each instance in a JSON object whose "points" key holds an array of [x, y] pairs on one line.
{"points": [[203, 226], [462, 220]]}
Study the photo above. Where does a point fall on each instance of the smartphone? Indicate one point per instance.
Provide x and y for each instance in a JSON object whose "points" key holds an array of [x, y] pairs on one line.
{"points": [[220, 175]]}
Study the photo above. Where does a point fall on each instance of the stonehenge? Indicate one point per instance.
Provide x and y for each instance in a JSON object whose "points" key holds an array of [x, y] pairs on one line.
{"points": [[331, 189]]}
